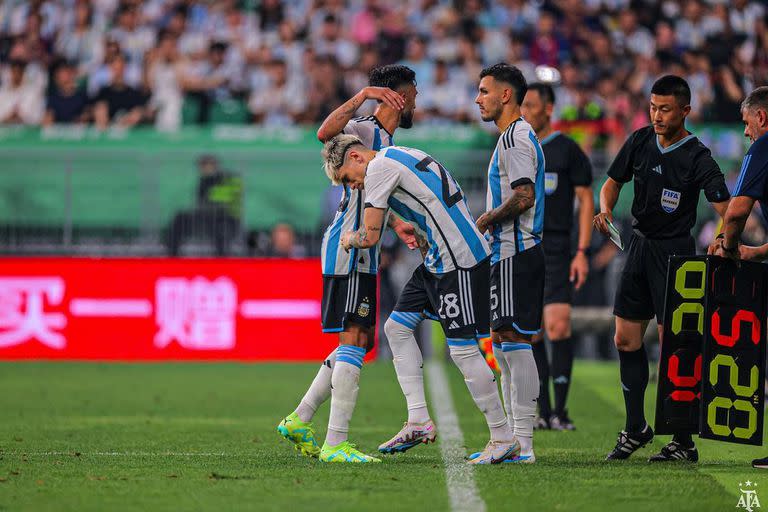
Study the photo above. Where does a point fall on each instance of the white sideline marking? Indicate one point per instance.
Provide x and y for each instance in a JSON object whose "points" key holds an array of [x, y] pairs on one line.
{"points": [[136, 308], [281, 308], [118, 454], [462, 490]]}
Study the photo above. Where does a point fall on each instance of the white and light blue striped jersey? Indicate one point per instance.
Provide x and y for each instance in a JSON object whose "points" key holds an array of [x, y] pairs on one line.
{"points": [[421, 191], [334, 259], [517, 159]]}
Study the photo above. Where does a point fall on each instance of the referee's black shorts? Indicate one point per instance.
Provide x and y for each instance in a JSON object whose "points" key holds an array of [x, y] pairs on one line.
{"points": [[642, 286], [558, 288]]}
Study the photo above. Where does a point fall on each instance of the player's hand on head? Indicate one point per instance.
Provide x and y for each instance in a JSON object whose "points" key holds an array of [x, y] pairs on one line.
{"points": [[385, 95], [601, 222]]}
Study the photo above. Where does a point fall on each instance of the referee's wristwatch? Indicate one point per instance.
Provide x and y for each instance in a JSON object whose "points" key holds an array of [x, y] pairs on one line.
{"points": [[732, 250]]}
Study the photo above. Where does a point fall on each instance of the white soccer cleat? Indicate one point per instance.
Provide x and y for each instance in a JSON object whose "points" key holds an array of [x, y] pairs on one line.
{"points": [[496, 452], [410, 435]]}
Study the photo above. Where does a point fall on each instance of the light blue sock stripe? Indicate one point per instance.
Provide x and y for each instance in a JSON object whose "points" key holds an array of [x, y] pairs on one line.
{"points": [[461, 342], [511, 346], [523, 331], [351, 360], [410, 320], [351, 350]]}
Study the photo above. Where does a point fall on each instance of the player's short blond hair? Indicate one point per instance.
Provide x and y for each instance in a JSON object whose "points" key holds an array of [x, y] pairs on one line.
{"points": [[335, 152]]}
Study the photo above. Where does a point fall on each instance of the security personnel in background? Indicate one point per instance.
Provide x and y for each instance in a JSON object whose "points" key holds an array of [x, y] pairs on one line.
{"points": [[670, 167], [751, 186]]}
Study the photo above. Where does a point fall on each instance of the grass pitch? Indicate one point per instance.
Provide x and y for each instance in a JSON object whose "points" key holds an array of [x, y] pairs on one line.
{"points": [[96, 437]]}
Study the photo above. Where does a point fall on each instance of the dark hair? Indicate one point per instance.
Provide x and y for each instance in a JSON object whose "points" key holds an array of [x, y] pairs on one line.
{"points": [[757, 99], [218, 46], [392, 76], [673, 85], [546, 92], [503, 72]]}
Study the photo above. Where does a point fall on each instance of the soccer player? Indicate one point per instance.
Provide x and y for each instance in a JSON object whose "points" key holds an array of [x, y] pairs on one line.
{"points": [[751, 186], [670, 167], [568, 174], [349, 278], [514, 218], [454, 276]]}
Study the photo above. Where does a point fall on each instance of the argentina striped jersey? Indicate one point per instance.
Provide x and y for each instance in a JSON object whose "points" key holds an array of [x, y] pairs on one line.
{"points": [[334, 259], [421, 191], [517, 160]]}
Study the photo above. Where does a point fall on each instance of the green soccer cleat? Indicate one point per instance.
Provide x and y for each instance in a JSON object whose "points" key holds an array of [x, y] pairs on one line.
{"points": [[300, 433], [344, 452]]}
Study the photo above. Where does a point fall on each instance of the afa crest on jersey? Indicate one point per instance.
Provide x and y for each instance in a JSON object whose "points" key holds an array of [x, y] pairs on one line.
{"points": [[670, 200], [364, 309], [550, 183]]}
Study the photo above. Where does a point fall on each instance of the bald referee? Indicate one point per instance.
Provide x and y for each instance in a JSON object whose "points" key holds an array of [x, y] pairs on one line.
{"points": [[751, 186], [670, 167]]}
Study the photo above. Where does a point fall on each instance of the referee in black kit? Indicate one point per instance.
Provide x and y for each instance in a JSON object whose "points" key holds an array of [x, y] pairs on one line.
{"points": [[669, 166], [568, 174]]}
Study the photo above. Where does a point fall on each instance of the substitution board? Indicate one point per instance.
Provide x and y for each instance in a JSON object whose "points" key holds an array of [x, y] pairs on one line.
{"points": [[712, 363]]}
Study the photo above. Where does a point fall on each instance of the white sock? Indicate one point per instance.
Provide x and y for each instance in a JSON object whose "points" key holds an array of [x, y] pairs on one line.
{"points": [[525, 381], [408, 362], [345, 385], [318, 391], [506, 389], [481, 384]]}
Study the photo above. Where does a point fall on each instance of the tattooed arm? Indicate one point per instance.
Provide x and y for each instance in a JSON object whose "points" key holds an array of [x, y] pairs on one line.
{"points": [[368, 235], [338, 119], [523, 198]]}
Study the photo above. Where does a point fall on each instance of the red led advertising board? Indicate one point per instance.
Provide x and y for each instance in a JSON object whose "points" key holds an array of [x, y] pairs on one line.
{"points": [[161, 309]]}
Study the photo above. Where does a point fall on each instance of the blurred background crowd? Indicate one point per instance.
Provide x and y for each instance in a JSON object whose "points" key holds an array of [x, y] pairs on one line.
{"points": [[169, 62]]}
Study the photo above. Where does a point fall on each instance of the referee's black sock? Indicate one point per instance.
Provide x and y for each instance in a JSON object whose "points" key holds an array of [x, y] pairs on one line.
{"points": [[542, 364], [634, 380], [685, 440], [562, 366]]}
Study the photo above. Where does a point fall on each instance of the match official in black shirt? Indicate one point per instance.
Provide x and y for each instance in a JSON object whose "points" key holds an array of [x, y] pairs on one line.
{"points": [[670, 167], [568, 174]]}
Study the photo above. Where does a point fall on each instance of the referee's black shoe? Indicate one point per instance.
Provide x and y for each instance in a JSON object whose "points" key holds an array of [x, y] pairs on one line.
{"points": [[629, 442], [760, 463], [676, 451]]}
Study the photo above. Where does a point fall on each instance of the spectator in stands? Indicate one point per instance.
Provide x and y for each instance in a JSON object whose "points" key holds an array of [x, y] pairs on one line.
{"points": [[82, 43], [281, 102], [67, 102], [20, 102], [207, 80], [118, 103], [163, 79], [218, 210]]}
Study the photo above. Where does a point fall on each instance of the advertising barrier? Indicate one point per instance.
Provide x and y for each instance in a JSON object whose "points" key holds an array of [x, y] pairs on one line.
{"points": [[161, 309]]}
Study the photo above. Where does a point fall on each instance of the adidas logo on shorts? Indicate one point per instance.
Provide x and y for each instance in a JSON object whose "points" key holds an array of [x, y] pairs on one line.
{"points": [[453, 325]]}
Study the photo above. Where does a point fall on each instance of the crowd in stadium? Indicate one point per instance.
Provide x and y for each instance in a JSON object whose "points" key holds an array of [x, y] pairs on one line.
{"points": [[168, 62]]}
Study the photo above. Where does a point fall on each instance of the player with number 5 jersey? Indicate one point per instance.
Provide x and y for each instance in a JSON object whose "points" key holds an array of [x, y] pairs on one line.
{"points": [[453, 279]]}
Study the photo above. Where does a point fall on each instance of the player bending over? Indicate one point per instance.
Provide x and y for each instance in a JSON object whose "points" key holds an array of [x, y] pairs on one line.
{"points": [[349, 278], [453, 279]]}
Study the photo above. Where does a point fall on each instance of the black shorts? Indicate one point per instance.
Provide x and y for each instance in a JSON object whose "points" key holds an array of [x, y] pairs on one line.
{"points": [[517, 292], [350, 298], [642, 286], [459, 298], [558, 288]]}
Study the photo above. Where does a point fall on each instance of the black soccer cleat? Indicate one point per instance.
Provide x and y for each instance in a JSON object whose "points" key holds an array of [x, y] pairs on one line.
{"points": [[675, 451], [760, 463], [540, 423], [629, 442], [561, 421]]}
